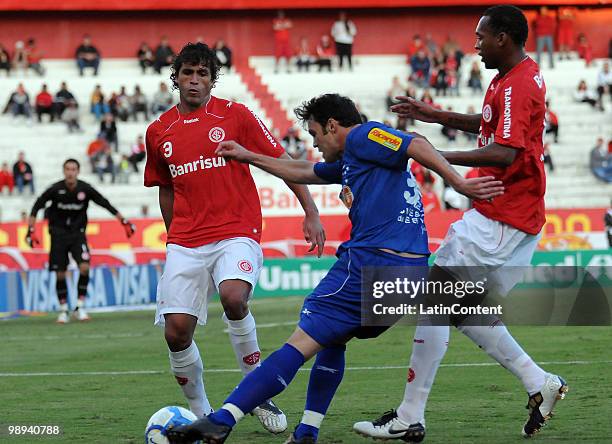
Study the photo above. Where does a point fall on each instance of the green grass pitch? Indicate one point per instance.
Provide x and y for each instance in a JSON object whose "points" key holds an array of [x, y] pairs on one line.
{"points": [[100, 381]]}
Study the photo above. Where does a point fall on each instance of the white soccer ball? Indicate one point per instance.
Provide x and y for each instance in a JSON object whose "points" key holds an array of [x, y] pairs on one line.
{"points": [[157, 427]]}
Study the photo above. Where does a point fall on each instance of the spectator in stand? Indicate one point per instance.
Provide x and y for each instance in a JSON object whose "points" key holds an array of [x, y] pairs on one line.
{"points": [[105, 164], [397, 89], [551, 122], [440, 79], [303, 56], [343, 32], [164, 55], [44, 104], [139, 103], [604, 83], [62, 98], [584, 95], [95, 150], [123, 170], [427, 98], [294, 145], [565, 31], [98, 106], [417, 45], [601, 162], [453, 56], [548, 158], [585, 51], [281, 26], [87, 56], [5, 60], [544, 31], [430, 44], [34, 56], [471, 137], [6, 179], [420, 66], [23, 174], [162, 99], [449, 132], [223, 54], [138, 153], [120, 105], [146, 59], [108, 130], [325, 53], [20, 57], [71, 117], [429, 197], [402, 122], [19, 103], [475, 80]]}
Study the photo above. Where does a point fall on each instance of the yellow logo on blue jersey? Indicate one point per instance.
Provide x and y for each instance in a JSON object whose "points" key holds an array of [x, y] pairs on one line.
{"points": [[385, 138]]}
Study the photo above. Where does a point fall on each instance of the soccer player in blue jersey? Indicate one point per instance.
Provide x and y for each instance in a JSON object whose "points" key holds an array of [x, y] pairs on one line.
{"points": [[370, 160]]}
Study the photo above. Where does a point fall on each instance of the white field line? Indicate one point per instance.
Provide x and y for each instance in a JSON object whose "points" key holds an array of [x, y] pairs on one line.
{"points": [[235, 370]]}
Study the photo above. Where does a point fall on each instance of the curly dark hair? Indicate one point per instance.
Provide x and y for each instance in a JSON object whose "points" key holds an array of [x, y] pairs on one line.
{"points": [[329, 106], [508, 19], [195, 54]]}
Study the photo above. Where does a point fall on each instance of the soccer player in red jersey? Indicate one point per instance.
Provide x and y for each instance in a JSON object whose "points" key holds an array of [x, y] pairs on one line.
{"points": [[213, 217], [497, 235]]}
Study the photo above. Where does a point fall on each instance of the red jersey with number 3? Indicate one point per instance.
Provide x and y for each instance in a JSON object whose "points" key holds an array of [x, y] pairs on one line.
{"points": [[214, 199], [513, 115]]}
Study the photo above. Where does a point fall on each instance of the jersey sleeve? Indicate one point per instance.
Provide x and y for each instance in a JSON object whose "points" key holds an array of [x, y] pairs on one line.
{"points": [[42, 200], [514, 104], [156, 170], [101, 200], [380, 145], [329, 172], [256, 137]]}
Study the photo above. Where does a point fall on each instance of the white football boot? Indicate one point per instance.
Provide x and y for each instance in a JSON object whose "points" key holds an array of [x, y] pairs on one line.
{"points": [[271, 417], [389, 426], [541, 404], [63, 318], [81, 315]]}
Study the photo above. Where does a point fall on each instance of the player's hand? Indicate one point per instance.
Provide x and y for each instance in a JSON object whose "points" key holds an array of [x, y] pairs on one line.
{"points": [[31, 238], [314, 233], [230, 149], [129, 227], [480, 188], [414, 109]]}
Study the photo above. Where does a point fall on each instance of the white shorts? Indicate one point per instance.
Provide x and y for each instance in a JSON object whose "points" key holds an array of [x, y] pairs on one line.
{"points": [[192, 275], [486, 248]]}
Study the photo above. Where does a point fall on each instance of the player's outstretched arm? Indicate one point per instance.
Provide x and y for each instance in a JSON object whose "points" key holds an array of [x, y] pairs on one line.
{"points": [[415, 109], [494, 155], [296, 171], [479, 188]]}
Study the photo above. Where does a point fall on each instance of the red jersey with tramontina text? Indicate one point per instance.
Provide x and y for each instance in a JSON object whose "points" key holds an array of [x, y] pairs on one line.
{"points": [[214, 199], [513, 115]]}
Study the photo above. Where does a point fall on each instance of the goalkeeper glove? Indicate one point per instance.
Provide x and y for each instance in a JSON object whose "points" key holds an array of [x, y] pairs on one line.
{"points": [[31, 238], [129, 227]]}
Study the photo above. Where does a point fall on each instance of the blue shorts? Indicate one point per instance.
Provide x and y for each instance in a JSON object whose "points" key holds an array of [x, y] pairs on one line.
{"points": [[331, 314]]}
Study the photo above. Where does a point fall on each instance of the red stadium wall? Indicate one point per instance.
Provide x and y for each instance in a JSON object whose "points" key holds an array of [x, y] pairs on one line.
{"points": [[380, 31]]}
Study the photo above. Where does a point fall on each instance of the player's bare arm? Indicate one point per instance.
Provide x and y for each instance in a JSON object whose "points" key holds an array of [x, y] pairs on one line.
{"points": [[166, 204], [492, 155], [478, 188], [415, 109], [296, 171]]}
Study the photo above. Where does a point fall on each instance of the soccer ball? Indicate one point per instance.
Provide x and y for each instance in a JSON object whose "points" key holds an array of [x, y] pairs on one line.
{"points": [[157, 427]]}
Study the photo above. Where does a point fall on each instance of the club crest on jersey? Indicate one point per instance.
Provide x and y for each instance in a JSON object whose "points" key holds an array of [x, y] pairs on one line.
{"points": [[245, 266], [487, 114], [385, 138], [216, 134], [346, 196], [81, 195]]}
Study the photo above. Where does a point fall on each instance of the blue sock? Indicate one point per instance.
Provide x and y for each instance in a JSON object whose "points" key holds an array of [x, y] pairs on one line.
{"points": [[325, 377], [268, 380]]}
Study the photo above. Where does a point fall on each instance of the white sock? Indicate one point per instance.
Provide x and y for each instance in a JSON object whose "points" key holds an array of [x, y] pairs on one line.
{"points": [[243, 337], [496, 340], [428, 349], [187, 367], [63, 307]]}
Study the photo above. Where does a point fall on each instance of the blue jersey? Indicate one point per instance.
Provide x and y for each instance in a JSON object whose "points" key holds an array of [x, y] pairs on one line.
{"points": [[381, 193]]}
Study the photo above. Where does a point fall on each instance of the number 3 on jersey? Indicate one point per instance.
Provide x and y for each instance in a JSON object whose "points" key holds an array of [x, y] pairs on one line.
{"points": [[167, 149]]}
